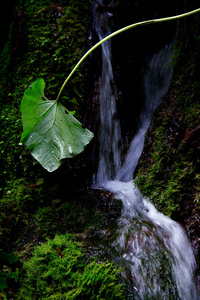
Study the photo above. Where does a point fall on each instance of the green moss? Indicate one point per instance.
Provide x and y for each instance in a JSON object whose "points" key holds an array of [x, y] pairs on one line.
{"points": [[58, 270], [54, 46], [71, 215], [41, 43], [8, 272], [17, 204]]}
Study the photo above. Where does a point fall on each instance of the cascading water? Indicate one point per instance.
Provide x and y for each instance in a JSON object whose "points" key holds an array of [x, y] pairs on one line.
{"points": [[158, 253], [156, 81], [109, 157], [158, 256]]}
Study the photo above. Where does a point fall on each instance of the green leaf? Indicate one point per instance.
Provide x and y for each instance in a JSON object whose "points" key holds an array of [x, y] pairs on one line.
{"points": [[49, 130]]}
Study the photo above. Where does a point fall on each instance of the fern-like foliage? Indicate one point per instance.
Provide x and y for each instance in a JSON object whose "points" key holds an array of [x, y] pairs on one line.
{"points": [[58, 270]]}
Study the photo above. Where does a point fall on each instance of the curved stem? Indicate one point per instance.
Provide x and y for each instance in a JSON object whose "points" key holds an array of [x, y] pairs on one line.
{"points": [[120, 31]]}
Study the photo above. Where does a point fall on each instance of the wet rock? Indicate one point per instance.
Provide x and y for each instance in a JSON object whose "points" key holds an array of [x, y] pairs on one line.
{"points": [[104, 203], [192, 138]]}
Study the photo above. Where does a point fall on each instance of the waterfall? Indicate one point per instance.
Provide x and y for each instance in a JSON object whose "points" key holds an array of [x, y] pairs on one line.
{"points": [[110, 134], [156, 81], [157, 255]]}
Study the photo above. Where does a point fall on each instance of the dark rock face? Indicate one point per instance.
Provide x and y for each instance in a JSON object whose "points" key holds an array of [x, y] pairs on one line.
{"points": [[6, 15], [130, 51], [105, 203], [192, 138]]}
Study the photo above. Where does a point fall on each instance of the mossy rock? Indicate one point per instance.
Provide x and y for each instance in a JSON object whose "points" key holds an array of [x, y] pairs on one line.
{"points": [[58, 270]]}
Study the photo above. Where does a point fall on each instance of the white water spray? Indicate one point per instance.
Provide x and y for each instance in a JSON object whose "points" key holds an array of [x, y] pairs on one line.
{"points": [[156, 81], [148, 241], [143, 235], [110, 134]]}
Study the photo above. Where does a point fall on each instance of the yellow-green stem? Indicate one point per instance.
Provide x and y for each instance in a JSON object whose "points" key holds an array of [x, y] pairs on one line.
{"points": [[120, 31]]}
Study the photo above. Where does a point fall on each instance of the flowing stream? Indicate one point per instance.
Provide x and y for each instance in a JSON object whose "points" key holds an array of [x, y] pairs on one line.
{"points": [[157, 255], [110, 134]]}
